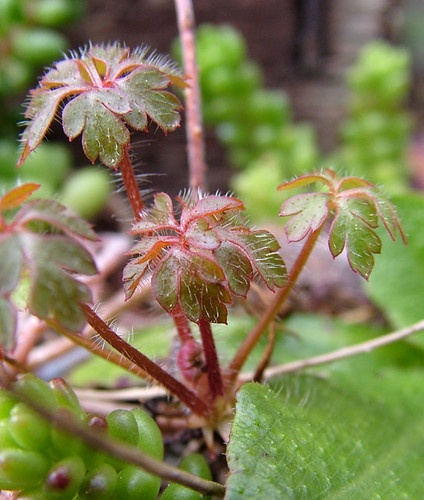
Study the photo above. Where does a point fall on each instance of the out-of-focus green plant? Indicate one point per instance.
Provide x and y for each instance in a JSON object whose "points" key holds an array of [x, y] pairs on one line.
{"points": [[375, 135], [29, 39], [253, 122]]}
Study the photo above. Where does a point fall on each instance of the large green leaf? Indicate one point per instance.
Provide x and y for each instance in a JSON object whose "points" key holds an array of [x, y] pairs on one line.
{"points": [[396, 284], [354, 436]]}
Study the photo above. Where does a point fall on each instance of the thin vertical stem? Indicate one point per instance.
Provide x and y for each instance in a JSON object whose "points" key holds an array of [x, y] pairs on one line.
{"points": [[182, 325], [184, 394], [273, 309], [266, 356], [214, 373], [130, 182], [194, 128]]}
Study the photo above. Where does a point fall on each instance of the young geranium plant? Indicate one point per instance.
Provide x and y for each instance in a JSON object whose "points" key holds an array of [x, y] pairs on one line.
{"points": [[197, 254], [353, 207], [356, 208], [102, 93], [199, 262]]}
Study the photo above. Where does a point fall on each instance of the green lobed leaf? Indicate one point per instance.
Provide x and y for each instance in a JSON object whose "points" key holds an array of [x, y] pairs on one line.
{"points": [[11, 262], [352, 227], [160, 215], [307, 212], [96, 114], [358, 208], [55, 292], [105, 86], [200, 235], [199, 260], [132, 276], [143, 87], [58, 216], [7, 323], [210, 206], [262, 250], [40, 113], [236, 266], [194, 281], [396, 284], [199, 298], [165, 282], [68, 73], [357, 436]]}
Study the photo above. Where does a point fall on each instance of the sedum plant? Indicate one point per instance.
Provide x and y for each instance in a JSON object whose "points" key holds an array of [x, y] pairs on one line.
{"points": [[198, 255]]}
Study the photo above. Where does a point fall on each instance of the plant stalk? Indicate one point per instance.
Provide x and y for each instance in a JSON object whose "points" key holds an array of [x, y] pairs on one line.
{"points": [[131, 185], [182, 325], [185, 395], [101, 351], [344, 352], [216, 385], [272, 311], [194, 127], [266, 356]]}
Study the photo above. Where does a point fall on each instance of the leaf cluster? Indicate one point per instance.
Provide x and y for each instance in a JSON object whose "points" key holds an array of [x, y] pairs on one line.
{"points": [[356, 208], [203, 259], [102, 92]]}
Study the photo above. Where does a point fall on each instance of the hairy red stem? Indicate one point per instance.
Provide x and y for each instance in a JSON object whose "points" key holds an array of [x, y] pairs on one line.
{"points": [[194, 128], [273, 309], [182, 325], [131, 186], [184, 394], [214, 373]]}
